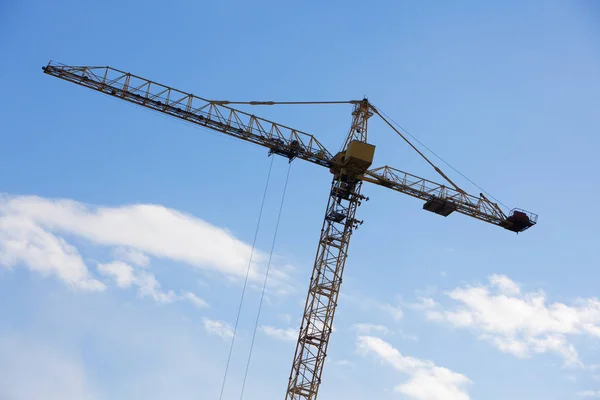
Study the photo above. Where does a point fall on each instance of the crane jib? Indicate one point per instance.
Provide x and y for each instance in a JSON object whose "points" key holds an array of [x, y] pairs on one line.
{"points": [[295, 145]]}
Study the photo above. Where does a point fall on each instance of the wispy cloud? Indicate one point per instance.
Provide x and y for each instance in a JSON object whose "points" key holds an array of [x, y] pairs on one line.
{"points": [[149, 286], [595, 394], [119, 271], [371, 329], [342, 362], [125, 276], [395, 311], [285, 317], [132, 256], [288, 334], [427, 381], [381, 330], [195, 300], [219, 328], [517, 322]]}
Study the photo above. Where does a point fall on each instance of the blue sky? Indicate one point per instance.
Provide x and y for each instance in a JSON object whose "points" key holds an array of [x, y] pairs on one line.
{"points": [[124, 234]]}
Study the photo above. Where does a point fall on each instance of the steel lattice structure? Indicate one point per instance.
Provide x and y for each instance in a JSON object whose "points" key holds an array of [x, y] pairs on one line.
{"points": [[350, 168], [324, 287]]}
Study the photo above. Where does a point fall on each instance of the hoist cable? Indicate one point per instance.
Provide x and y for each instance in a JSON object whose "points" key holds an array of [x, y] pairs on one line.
{"points": [[440, 158], [439, 171], [265, 281], [262, 205]]}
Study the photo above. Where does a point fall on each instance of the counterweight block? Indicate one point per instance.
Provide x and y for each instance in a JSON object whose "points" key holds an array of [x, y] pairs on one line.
{"points": [[440, 206]]}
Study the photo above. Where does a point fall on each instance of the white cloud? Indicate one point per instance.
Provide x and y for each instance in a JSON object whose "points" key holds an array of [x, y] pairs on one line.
{"points": [[426, 380], [370, 304], [288, 334], [371, 329], [381, 330], [424, 303], [149, 286], [285, 317], [219, 328], [518, 323], [26, 240], [22, 242], [142, 229], [590, 394], [132, 256], [195, 300], [505, 285], [30, 229], [125, 276], [121, 273], [342, 362], [394, 310]]}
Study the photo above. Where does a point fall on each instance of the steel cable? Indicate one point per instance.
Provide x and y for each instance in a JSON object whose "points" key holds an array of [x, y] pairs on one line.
{"points": [[246, 279], [265, 280], [440, 158]]}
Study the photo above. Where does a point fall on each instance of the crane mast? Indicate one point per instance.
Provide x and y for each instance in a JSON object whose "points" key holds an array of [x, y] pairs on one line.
{"points": [[326, 279], [349, 167]]}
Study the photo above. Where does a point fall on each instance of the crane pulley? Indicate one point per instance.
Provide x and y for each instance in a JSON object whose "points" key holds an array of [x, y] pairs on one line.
{"points": [[349, 167]]}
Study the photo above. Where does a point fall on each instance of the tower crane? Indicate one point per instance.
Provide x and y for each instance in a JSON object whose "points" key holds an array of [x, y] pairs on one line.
{"points": [[349, 168]]}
